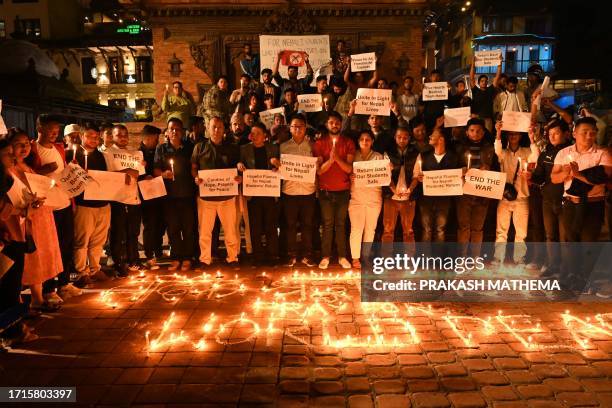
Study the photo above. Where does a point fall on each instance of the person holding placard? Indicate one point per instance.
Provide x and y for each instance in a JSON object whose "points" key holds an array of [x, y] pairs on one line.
{"points": [[173, 164], [474, 152], [153, 225], [514, 161], [483, 95], [91, 217], [125, 218], [328, 101], [263, 211], [434, 210], [299, 86], [45, 262], [366, 202], [48, 158], [298, 198], [510, 99], [432, 109], [398, 197], [336, 153], [216, 153]]}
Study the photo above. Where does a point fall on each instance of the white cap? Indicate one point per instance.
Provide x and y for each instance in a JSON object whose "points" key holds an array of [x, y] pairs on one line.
{"points": [[71, 129]]}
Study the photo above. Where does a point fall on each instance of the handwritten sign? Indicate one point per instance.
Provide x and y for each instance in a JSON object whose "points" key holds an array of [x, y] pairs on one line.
{"points": [[3, 129], [516, 121], [372, 173], [261, 183], [363, 62], [110, 186], [456, 116], [267, 117], [310, 102], [219, 182], [316, 46], [153, 188], [435, 91], [443, 182], [487, 58], [298, 168], [484, 183], [120, 159], [73, 179], [44, 186], [373, 102]]}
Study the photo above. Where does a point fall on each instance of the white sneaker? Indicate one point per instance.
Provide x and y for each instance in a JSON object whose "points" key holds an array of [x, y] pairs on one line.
{"points": [[344, 263], [533, 266], [324, 263], [53, 298], [68, 291]]}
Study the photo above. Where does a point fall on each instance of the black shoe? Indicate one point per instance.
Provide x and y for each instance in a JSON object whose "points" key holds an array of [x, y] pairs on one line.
{"points": [[122, 271], [234, 265]]}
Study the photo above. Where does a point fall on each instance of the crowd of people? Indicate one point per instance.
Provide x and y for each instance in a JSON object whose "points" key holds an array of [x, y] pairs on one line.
{"points": [[561, 193]]}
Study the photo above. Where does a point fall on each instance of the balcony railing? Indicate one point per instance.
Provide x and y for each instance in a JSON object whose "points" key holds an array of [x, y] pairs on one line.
{"points": [[518, 67]]}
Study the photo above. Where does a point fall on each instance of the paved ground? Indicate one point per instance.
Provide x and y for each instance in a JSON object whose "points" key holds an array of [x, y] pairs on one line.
{"points": [[282, 339]]}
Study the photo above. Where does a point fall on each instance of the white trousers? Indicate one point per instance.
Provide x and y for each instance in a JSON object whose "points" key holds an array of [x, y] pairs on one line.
{"points": [[207, 214], [516, 211], [364, 218], [90, 232]]}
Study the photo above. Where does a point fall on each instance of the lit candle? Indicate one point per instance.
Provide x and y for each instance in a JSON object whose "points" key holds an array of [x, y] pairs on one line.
{"points": [[520, 163], [420, 168], [172, 168], [85, 154], [74, 150], [52, 183], [469, 160]]}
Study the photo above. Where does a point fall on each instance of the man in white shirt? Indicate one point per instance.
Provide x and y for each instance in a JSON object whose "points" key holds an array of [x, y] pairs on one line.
{"points": [[510, 100]]}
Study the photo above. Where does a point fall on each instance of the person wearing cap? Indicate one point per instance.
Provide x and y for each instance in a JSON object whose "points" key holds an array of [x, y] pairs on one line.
{"points": [[178, 104], [300, 86], [72, 136]]}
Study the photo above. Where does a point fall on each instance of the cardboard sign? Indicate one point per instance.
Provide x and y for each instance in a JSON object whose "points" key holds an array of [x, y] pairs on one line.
{"points": [[316, 46], [310, 102], [363, 62], [3, 129], [456, 116], [373, 102], [443, 182], [219, 182], [516, 121], [110, 186], [435, 91], [267, 117], [44, 186], [73, 179], [153, 188], [261, 183], [487, 58], [372, 173], [119, 159], [298, 168], [484, 183]]}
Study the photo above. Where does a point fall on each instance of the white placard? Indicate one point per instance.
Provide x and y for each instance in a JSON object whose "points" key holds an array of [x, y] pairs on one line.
{"points": [[484, 183], [120, 159], [46, 187], [372, 173], [456, 116], [516, 121], [110, 186], [153, 188], [310, 102], [443, 182], [219, 182], [363, 62], [298, 168], [317, 47], [435, 91], [3, 129], [267, 117], [373, 102], [18, 193], [73, 179], [487, 58], [261, 183]]}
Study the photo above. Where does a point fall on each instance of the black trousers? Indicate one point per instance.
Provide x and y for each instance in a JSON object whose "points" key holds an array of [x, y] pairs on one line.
{"points": [[536, 228], [64, 225], [263, 219], [10, 283], [553, 226], [180, 221], [125, 227], [300, 209], [153, 227]]}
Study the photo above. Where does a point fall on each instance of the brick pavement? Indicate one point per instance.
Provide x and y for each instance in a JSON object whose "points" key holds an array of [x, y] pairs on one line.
{"points": [[291, 340]]}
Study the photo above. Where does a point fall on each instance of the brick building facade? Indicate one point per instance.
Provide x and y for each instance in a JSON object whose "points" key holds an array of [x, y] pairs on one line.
{"points": [[208, 38]]}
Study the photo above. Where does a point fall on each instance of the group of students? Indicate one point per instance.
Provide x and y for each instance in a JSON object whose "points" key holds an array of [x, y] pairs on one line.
{"points": [[561, 188]]}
